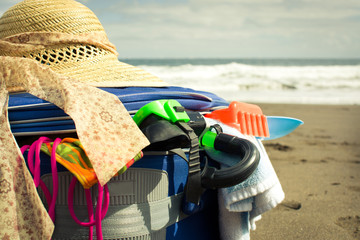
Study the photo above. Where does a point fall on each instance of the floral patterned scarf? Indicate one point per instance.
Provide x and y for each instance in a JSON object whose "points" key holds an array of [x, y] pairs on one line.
{"points": [[105, 129]]}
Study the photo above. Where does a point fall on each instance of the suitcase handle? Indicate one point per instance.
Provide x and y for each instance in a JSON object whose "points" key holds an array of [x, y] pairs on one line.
{"points": [[246, 151]]}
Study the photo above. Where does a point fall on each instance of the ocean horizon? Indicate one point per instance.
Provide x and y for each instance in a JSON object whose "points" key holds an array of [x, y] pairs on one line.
{"points": [[251, 61], [278, 80]]}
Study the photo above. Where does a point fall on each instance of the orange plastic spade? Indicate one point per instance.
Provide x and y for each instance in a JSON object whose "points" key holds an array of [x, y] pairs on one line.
{"points": [[247, 118]]}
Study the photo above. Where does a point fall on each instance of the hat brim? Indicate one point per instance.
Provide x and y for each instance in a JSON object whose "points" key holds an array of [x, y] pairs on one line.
{"points": [[108, 71]]}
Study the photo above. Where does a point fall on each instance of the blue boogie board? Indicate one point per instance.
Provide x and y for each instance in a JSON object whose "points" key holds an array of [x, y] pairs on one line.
{"points": [[30, 115], [24, 106]]}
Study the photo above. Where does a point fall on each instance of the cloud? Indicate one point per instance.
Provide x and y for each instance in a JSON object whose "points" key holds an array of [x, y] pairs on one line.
{"points": [[243, 28], [247, 21], [226, 15]]}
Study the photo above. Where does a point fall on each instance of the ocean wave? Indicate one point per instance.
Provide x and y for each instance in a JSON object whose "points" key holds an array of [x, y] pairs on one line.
{"points": [[273, 77], [233, 77]]}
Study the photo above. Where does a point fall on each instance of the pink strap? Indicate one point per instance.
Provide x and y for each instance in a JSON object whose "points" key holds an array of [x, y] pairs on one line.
{"points": [[54, 177], [98, 216], [90, 211], [101, 209], [102, 203], [34, 167], [37, 159], [30, 163]]}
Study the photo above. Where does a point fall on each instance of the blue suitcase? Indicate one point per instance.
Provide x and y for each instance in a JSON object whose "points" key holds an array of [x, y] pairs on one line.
{"points": [[153, 212]]}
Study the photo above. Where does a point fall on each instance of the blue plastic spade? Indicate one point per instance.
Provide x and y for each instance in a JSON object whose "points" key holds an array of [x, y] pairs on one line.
{"points": [[281, 126]]}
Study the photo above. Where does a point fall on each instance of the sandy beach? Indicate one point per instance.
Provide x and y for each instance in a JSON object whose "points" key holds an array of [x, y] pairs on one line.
{"points": [[319, 168]]}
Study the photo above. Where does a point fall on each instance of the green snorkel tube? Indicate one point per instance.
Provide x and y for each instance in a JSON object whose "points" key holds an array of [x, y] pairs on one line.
{"points": [[157, 120], [241, 148]]}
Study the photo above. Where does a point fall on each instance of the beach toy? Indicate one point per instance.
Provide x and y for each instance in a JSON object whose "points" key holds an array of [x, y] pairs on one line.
{"points": [[281, 126], [247, 118]]}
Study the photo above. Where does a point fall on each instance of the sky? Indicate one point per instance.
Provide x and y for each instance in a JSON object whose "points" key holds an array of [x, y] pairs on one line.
{"points": [[229, 28]]}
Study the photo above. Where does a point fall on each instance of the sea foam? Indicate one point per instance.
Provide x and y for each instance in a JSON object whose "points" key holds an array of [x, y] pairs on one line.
{"points": [[276, 84]]}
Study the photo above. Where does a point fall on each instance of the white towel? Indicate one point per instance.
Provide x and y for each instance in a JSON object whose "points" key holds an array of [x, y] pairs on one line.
{"points": [[241, 205]]}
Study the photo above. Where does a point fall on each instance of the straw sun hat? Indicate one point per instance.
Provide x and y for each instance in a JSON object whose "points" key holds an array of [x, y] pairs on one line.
{"points": [[67, 37]]}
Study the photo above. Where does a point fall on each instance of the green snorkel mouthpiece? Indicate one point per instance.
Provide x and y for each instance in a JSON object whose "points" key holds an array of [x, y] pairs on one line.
{"points": [[208, 139], [223, 142]]}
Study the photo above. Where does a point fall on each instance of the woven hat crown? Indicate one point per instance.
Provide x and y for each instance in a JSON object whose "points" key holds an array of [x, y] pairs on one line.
{"points": [[66, 16], [67, 37]]}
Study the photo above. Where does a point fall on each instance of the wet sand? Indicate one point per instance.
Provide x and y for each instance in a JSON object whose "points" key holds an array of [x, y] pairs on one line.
{"points": [[319, 168]]}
